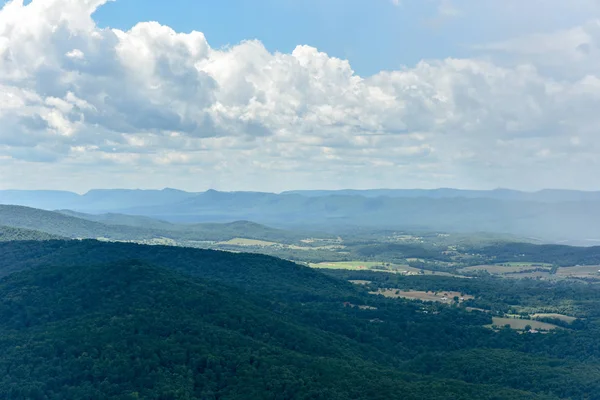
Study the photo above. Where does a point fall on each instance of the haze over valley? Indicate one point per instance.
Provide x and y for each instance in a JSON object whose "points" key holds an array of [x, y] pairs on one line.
{"points": [[547, 216], [294, 200]]}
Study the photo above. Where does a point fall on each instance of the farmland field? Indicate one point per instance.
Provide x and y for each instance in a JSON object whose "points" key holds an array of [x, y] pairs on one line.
{"points": [[378, 266], [520, 324], [588, 271], [248, 242], [244, 242], [504, 269], [356, 265], [439, 296]]}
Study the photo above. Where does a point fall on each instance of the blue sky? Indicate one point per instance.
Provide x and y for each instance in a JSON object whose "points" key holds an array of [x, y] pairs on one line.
{"points": [[299, 94], [373, 35], [373, 38]]}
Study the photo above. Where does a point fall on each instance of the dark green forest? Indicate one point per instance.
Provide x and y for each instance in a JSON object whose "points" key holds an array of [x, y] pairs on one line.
{"points": [[88, 319]]}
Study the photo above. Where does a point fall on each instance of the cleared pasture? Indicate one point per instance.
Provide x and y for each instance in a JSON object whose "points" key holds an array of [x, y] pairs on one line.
{"points": [[584, 271], [379, 267], [248, 242], [245, 242], [520, 324], [439, 296], [496, 269], [357, 265]]}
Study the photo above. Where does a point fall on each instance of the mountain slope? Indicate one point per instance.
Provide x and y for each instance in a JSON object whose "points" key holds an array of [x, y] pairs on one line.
{"points": [[128, 330], [64, 225], [250, 272], [8, 233], [130, 227], [201, 231]]}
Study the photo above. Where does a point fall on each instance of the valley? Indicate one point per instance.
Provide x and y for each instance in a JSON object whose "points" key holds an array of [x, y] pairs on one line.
{"points": [[342, 302]]}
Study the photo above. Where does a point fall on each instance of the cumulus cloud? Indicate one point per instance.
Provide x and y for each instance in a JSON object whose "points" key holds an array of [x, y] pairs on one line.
{"points": [[109, 107]]}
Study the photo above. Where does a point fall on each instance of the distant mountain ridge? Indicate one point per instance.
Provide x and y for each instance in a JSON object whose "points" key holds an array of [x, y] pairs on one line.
{"points": [[553, 215], [112, 200]]}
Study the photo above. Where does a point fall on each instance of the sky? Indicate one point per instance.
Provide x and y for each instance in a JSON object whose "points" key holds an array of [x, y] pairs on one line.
{"points": [[274, 95]]}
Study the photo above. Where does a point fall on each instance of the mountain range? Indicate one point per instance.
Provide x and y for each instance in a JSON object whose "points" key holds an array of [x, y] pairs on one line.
{"points": [[25, 222], [550, 215]]}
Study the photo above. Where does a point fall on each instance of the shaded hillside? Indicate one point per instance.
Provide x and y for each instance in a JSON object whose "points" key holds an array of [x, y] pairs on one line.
{"points": [[107, 320], [130, 227], [136, 221], [552, 254], [63, 225], [127, 330], [201, 231], [253, 272], [8, 233]]}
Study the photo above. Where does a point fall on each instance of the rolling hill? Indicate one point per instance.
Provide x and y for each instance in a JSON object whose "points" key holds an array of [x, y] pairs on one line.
{"points": [[63, 225], [129, 330], [8, 233], [89, 319], [72, 224], [250, 272]]}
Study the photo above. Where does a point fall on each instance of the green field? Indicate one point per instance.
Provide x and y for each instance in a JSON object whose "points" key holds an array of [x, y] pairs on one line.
{"points": [[360, 282], [354, 265], [248, 242], [520, 324], [378, 266], [503, 269], [587, 271], [438, 296]]}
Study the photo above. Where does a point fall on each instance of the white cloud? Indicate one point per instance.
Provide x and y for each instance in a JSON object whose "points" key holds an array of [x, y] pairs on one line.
{"points": [[568, 53], [105, 107]]}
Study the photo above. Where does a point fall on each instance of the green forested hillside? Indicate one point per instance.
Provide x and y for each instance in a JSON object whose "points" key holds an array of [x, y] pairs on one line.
{"points": [[254, 272], [128, 227], [127, 331], [198, 232], [63, 225], [86, 319]]}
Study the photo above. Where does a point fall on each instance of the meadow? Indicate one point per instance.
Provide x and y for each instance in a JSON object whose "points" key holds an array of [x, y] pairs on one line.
{"points": [[437, 296], [520, 324]]}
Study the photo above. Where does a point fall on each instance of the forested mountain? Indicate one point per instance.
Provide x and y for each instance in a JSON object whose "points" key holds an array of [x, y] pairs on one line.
{"points": [[8, 233], [253, 272], [128, 330], [59, 224], [87, 319], [552, 215], [200, 231], [130, 227]]}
